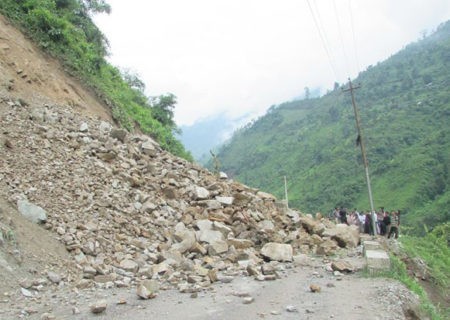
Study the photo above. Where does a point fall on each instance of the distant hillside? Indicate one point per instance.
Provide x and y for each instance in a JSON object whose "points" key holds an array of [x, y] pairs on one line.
{"points": [[205, 135], [405, 111]]}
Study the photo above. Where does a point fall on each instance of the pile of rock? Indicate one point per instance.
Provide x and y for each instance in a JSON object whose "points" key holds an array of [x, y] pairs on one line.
{"points": [[129, 211]]}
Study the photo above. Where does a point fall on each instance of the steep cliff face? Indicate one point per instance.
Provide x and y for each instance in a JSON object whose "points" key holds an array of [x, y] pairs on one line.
{"points": [[29, 74]]}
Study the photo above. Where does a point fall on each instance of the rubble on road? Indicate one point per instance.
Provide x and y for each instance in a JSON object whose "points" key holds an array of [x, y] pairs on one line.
{"points": [[128, 211]]}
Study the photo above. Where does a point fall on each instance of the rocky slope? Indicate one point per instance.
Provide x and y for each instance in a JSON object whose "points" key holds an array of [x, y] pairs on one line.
{"points": [[127, 210]]}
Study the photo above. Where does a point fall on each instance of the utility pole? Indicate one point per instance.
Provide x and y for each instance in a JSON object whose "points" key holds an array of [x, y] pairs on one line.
{"points": [[360, 141]]}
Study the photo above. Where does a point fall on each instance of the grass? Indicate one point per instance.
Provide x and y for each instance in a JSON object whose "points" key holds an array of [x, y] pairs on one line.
{"points": [[7, 235]]}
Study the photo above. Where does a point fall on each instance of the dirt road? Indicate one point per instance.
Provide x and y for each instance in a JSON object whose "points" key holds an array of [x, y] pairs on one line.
{"points": [[346, 296]]}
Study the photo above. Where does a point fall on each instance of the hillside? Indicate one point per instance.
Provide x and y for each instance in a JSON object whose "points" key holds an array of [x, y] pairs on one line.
{"points": [[65, 30], [404, 105]]}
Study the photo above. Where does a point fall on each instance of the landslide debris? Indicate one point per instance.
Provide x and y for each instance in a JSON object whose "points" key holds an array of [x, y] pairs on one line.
{"points": [[128, 211]]}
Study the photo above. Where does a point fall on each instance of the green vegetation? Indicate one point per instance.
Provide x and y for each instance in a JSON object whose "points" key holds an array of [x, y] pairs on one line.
{"points": [[64, 28], [433, 249], [404, 104], [399, 272], [7, 235]]}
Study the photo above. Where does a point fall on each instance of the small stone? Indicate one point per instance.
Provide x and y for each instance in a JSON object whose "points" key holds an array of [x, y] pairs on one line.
{"points": [[291, 309], [54, 277], [84, 127], [275, 313], [98, 307], [47, 316], [248, 300], [314, 288], [147, 289], [342, 266], [194, 295], [27, 293], [75, 310], [252, 270]]}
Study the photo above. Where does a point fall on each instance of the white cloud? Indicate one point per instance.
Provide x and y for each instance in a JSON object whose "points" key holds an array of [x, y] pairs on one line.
{"points": [[241, 56]]}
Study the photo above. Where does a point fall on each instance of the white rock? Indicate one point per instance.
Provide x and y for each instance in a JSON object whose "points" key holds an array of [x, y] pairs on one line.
{"points": [[27, 293], [201, 193], [31, 211], [129, 265], [147, 289], [277, 251], [84, 127]]}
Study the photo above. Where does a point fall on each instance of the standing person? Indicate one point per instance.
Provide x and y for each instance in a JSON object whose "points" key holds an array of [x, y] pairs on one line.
{"points": [[386, 224], [362, 220], [337, 216], [368, 226], [395, 224], [379, 221], [343, 214]]}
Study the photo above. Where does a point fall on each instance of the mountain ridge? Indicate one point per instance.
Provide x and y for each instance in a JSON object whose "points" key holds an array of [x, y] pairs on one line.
{"points": [[404, 108]]}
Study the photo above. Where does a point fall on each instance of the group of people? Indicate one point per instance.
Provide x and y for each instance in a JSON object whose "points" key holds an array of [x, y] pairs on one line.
{"points": [[386, 224]]}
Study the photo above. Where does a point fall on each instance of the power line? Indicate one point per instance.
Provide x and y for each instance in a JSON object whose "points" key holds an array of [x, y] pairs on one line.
{"points": [[340, 37], [353, 36], [322, 38]]}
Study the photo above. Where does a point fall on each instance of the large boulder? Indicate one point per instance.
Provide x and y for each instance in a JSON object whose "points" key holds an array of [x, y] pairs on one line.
{"points": [[277, 251], [345, 236], [32, 212], [312, 226]]}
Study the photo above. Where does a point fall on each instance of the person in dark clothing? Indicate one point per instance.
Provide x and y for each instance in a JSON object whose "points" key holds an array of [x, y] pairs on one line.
{"points": [[343, 215], [368, 227], [385, 224]]}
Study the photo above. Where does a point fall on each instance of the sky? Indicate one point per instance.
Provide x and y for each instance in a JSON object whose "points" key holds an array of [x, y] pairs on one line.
{"points": [[236, 58]]}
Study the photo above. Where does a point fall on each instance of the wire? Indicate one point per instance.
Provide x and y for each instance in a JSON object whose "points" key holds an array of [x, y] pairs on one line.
{"points": [[358, 69], [341, 38], [322, 38]]}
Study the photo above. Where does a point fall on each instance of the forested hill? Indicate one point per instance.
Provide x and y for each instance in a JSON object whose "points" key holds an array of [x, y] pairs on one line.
{"points": [[404, 106]]}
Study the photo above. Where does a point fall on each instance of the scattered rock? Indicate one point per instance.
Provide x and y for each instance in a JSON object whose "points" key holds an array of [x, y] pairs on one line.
{"points": [[277, 251], [291, 309], [54, 277], [147, 289], [31, 211], [98, 307], [342, 266], [314, 288], [27, 293], [248, 300]]}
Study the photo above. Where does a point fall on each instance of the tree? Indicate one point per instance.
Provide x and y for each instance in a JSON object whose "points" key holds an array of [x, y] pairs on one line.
{"points": [[97, 6], [133, 80], [162, 110]]}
